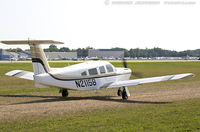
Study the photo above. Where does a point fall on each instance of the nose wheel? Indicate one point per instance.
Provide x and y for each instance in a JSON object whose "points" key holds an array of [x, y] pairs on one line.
{"points": [[124, 95], [64, 92]]}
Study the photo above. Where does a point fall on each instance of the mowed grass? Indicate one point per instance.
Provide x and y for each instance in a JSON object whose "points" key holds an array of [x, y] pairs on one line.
{"points": [[183, 116], [174, 116]]}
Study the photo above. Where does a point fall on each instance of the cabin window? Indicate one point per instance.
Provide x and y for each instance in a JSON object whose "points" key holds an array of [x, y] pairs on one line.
{"points": [[102, 69], [83, 73], [93, 71], [109, 68]]}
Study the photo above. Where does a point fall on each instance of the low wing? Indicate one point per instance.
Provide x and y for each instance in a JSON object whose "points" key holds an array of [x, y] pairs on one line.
{"points": [[21, 74], [149, 80]]}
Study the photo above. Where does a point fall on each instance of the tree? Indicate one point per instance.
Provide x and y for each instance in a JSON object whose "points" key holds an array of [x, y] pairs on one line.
{"points": [[64, 49], [83, 52], [14, 50], [52, 48], [126, 53]]}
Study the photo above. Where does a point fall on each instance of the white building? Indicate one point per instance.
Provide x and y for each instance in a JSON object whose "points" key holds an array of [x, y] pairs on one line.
{"points": [[105, 53], [61, 55]]}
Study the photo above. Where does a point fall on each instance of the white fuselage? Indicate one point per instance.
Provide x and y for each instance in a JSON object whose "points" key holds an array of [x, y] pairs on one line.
{"points": [[84, 76]]}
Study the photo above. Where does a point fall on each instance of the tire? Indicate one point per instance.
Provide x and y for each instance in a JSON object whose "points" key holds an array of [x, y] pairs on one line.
{"points": [[119, 92], [124, 95], [64, 93]]}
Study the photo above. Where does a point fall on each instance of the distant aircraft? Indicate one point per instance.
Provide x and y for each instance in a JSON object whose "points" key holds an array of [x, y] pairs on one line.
{"points": [[90, 75]]}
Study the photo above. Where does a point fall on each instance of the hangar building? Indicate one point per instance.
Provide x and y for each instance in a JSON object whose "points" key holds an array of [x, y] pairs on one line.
{"points": [[4, 55], [61, 55], [105, 53]]}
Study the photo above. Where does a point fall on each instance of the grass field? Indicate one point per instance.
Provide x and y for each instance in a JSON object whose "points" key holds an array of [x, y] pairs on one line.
{"points": [[164, 106]]}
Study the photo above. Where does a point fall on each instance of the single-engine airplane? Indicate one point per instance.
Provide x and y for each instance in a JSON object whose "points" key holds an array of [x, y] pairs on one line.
{"points": [[89, 75]]}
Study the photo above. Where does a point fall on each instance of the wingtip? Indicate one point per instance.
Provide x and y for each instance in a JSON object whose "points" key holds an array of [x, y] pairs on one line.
{"points": [[193, 75], [190, 75]]}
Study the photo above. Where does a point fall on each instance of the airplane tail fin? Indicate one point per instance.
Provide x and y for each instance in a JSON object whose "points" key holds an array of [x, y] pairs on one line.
{"points": [[40, 64], [39, 60]]}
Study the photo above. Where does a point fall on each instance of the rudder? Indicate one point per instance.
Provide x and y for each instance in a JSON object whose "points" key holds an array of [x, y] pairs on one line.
{"points": [[39, 60]]}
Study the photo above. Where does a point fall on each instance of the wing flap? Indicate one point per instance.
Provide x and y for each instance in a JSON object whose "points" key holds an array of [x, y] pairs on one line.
{"points": [[21, 74], [149, 80]]}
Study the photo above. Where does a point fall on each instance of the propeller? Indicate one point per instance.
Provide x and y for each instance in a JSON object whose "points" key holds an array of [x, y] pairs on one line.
{"points": [[124, 63], [136, 74]]}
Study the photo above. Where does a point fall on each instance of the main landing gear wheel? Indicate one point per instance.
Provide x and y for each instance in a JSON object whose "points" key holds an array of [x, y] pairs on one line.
{"points": [[124, 95], [64, 93], [119, 92]]}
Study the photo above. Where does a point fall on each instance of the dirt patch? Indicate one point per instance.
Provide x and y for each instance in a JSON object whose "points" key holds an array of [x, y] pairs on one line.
{"points": [[47, 104]]}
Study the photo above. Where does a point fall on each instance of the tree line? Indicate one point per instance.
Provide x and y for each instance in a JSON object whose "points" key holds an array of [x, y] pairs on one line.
{"points": [[136, 52]]}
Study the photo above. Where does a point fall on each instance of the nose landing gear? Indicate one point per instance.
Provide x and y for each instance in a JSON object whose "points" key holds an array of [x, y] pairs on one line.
{"points": [[64, 92]]}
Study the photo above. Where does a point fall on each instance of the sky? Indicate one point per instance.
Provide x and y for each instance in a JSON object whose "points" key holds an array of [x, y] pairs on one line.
{"points": [[103, 23]]}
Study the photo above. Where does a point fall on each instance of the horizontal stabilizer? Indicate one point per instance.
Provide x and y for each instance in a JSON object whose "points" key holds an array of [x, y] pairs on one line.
{"points": [[21, 74], [16, 42]]}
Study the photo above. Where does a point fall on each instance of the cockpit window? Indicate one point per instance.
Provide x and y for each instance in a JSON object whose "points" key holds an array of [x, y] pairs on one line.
{"points": [[109, 68], [102, 69], [93, 71], [83, 73]]}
